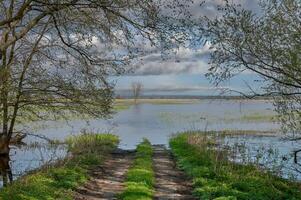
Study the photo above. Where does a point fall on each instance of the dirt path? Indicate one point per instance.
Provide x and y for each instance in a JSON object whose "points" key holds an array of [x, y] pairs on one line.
{"points": [[171, 183], [107, 179]]}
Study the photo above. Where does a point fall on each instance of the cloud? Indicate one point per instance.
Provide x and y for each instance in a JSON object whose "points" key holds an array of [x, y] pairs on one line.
{"points": [[210, 7], [170, 67], [181, 72], [186, 60], [182, 61]]}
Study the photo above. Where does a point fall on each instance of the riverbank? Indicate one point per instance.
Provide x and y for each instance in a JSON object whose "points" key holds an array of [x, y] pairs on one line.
{"points": [[216, 177], [57, 181]]}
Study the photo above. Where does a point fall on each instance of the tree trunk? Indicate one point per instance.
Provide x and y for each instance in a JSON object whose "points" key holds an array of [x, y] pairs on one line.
{"points": [[5, 170], [4, 146]]}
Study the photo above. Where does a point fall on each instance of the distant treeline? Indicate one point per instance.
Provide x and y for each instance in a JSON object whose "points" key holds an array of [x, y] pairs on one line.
{"points": [[193, 97]]}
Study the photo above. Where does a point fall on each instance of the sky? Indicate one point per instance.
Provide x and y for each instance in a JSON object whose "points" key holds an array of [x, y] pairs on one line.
{"points": [[184, 72]]}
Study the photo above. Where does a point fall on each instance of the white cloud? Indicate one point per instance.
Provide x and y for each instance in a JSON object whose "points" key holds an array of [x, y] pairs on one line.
{"points": [[182, 61], [187, 60], [210, 7]]}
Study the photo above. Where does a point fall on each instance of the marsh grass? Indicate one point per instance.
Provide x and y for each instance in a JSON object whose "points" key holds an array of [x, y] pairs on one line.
{"points": [[57, 181], [140, 178], [171, 118], [225, 133], [255, 117], [216, 177], [91, 143]]}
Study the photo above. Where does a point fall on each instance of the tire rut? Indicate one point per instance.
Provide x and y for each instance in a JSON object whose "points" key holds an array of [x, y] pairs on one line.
{"points": [[171, 183], [108, 179]]}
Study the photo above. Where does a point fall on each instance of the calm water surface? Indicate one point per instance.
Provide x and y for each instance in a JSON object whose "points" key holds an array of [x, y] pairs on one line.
{"points": [[155, 122], [158, 122]]}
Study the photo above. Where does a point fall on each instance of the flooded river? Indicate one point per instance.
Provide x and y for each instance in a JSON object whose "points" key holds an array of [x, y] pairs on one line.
{"points": [[157, 122]]}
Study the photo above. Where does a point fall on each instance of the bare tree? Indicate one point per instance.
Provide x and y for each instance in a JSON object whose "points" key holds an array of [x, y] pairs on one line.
{"points": [[136, 89], [267, 44], [56, 55]]}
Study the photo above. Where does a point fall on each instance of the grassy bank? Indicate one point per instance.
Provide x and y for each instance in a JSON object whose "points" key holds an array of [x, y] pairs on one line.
{"points": [[215, 177], [140, 178], [57, 182]]}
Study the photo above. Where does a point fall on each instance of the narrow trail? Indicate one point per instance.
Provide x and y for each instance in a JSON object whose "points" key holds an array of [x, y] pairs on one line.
{"points": [[108, 179], [171, 183]]}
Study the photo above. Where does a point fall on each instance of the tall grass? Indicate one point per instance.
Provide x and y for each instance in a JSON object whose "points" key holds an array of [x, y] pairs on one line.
{"points": [[88, 143], [140, 178], [215, 177], [57, 182]]}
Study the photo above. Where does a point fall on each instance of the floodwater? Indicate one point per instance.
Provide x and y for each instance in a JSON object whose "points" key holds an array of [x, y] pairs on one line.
{"points": [[268, 152], [153, 121]]}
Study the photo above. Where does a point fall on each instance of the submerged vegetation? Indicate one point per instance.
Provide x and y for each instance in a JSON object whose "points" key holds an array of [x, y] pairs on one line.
{"points": [[197, 117], [216, 177], [256, 117], [57, 181], [140, 178]]}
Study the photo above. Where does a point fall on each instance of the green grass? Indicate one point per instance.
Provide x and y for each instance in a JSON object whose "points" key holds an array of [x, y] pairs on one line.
{"points": [[57, 182], [140, 178], [214, 177], [121, 107]]}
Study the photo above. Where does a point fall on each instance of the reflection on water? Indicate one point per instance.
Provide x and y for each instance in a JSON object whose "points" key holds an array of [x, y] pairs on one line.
{"points": [[155, 122], [25, 158]]}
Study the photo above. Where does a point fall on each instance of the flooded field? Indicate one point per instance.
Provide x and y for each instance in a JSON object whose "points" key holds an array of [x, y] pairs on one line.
{"points": [[267, 152], [158, 122]]}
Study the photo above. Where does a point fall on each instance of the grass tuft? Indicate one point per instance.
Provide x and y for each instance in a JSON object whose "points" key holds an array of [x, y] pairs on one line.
{"points": [[88, 143]]}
